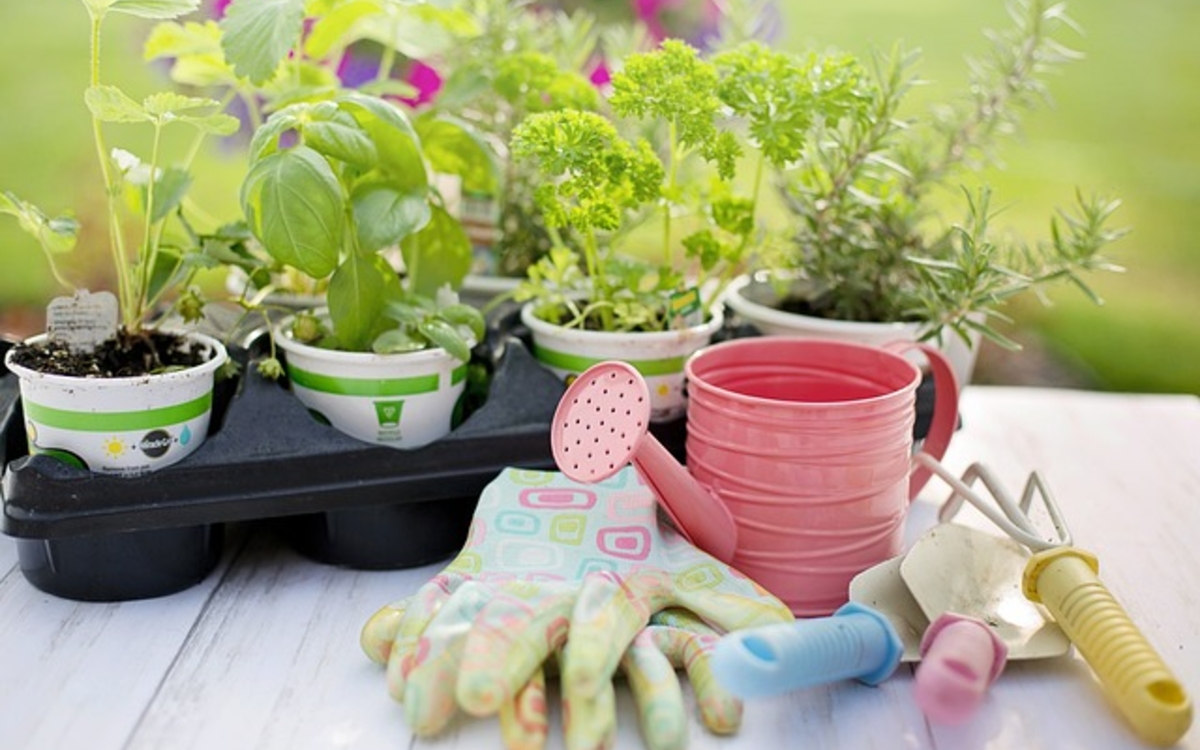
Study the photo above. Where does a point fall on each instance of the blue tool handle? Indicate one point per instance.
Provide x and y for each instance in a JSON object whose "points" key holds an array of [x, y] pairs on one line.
{"points": [[856, 642]]}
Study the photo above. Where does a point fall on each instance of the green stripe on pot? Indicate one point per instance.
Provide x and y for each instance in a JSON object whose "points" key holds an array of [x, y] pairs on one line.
{"points": [[458, 375], [117, 421], [364, 386], [577, 363]]}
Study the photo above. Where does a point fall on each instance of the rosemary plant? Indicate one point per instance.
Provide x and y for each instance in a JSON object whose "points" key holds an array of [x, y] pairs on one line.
{"points": [[867, 241]]}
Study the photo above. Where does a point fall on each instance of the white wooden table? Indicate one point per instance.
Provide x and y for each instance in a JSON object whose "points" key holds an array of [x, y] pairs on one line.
{"points": [[264, 654]]}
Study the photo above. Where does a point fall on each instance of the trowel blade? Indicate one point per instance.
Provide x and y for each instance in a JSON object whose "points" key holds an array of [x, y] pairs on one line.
{"points": [[955, 568], [882, 588]]}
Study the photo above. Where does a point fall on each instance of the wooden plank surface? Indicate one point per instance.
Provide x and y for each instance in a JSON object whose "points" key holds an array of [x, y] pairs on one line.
{"points": [[80, 674], [264, 653]]}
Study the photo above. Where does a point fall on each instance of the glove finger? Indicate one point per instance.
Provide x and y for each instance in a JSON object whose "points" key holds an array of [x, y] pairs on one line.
{"points": [[429, 689], [419, 611], [608, 613], [727, 612], [525, 721], [380, 631], [513, 635], [589, 721], [656, 693], [675, 617], [720, 710]]}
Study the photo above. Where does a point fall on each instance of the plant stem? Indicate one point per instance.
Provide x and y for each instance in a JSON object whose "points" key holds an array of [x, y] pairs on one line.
{"points": [[598, 275], [386, 59], [976, 126], [57, 274], [116, 240], [673, 159], [148, 253]]}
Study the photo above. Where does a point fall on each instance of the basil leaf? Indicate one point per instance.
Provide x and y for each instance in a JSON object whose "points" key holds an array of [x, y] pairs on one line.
{"points": [[293, 204]]}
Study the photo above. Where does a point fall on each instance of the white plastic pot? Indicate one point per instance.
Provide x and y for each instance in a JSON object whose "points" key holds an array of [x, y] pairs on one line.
{"points": [[127, 426], [754, 300], [658, 356], [398, 400]]}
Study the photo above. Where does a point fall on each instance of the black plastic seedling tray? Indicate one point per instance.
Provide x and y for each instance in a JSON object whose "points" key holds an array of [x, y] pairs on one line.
{"points": [[339, 500], [335, 499]]}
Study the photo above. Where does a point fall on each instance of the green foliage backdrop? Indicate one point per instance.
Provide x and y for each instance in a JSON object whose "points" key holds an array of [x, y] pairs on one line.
{"points": [[1124, 123]]}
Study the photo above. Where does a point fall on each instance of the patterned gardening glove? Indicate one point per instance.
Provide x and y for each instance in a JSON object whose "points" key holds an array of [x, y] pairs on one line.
{"points": [[552, 566]]}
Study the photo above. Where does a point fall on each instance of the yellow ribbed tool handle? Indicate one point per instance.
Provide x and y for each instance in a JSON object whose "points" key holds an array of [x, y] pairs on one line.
{"points": [[1065, 580]]}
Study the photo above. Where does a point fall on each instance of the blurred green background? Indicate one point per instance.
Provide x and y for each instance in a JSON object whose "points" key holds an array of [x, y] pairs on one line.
{"points": [[1124, 122]]}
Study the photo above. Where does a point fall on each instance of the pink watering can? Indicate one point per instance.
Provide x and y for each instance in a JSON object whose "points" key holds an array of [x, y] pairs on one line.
{"points": [[799, 450]]}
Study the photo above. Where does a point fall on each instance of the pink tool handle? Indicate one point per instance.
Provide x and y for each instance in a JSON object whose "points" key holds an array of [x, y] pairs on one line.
{"points": [[945, 409], [960, 658]]}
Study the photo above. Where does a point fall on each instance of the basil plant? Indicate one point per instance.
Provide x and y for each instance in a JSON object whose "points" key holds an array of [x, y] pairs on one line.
{"points": [[331, 185]]}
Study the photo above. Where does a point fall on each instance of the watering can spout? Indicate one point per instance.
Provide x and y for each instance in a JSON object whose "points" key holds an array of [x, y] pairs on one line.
{"points": [[696, 512], [602, 422]]}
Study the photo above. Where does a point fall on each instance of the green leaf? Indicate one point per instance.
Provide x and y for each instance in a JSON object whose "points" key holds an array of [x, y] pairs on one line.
{"points": [[397, 341], [390, 88], [338, 134], [166, 107], [194, 52], [438, 255], [169, 40], [110, 104], [445, 335], [293, 204], [332, 29], [407, 313], [465, 315], [160, 9], [258, 34], [170, 185], [357, 294], [168, 104], [214, 124], [397, 143], [383, 215], [57, 235], [416, 30], [167, 264], [266, 138], [453, 146]]}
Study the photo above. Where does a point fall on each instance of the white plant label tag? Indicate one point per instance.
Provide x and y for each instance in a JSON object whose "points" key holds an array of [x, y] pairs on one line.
{"points": [[82, 321]]}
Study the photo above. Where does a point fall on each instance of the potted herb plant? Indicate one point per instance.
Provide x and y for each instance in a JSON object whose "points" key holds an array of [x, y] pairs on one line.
{"points": [[338, 194], [331, 184], [589, 302], [267, 56], [106, 388], [523, 60], [872, 259]]}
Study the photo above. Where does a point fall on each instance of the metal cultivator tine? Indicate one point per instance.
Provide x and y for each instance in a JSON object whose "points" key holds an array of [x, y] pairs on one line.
{"points": [[1016, 520]]}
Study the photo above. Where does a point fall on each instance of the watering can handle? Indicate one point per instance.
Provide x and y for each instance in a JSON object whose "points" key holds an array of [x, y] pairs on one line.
{"points": [[1065, 580], [945, 410]]}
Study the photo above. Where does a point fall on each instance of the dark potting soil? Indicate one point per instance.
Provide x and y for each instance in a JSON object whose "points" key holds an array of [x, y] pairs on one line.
{"points": [[802, 306], [127, 355]]}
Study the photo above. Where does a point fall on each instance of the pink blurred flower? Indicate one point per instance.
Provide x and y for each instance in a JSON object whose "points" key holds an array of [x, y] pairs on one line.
{"points": [[426, 80], [600, 76], [696, 21]]}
